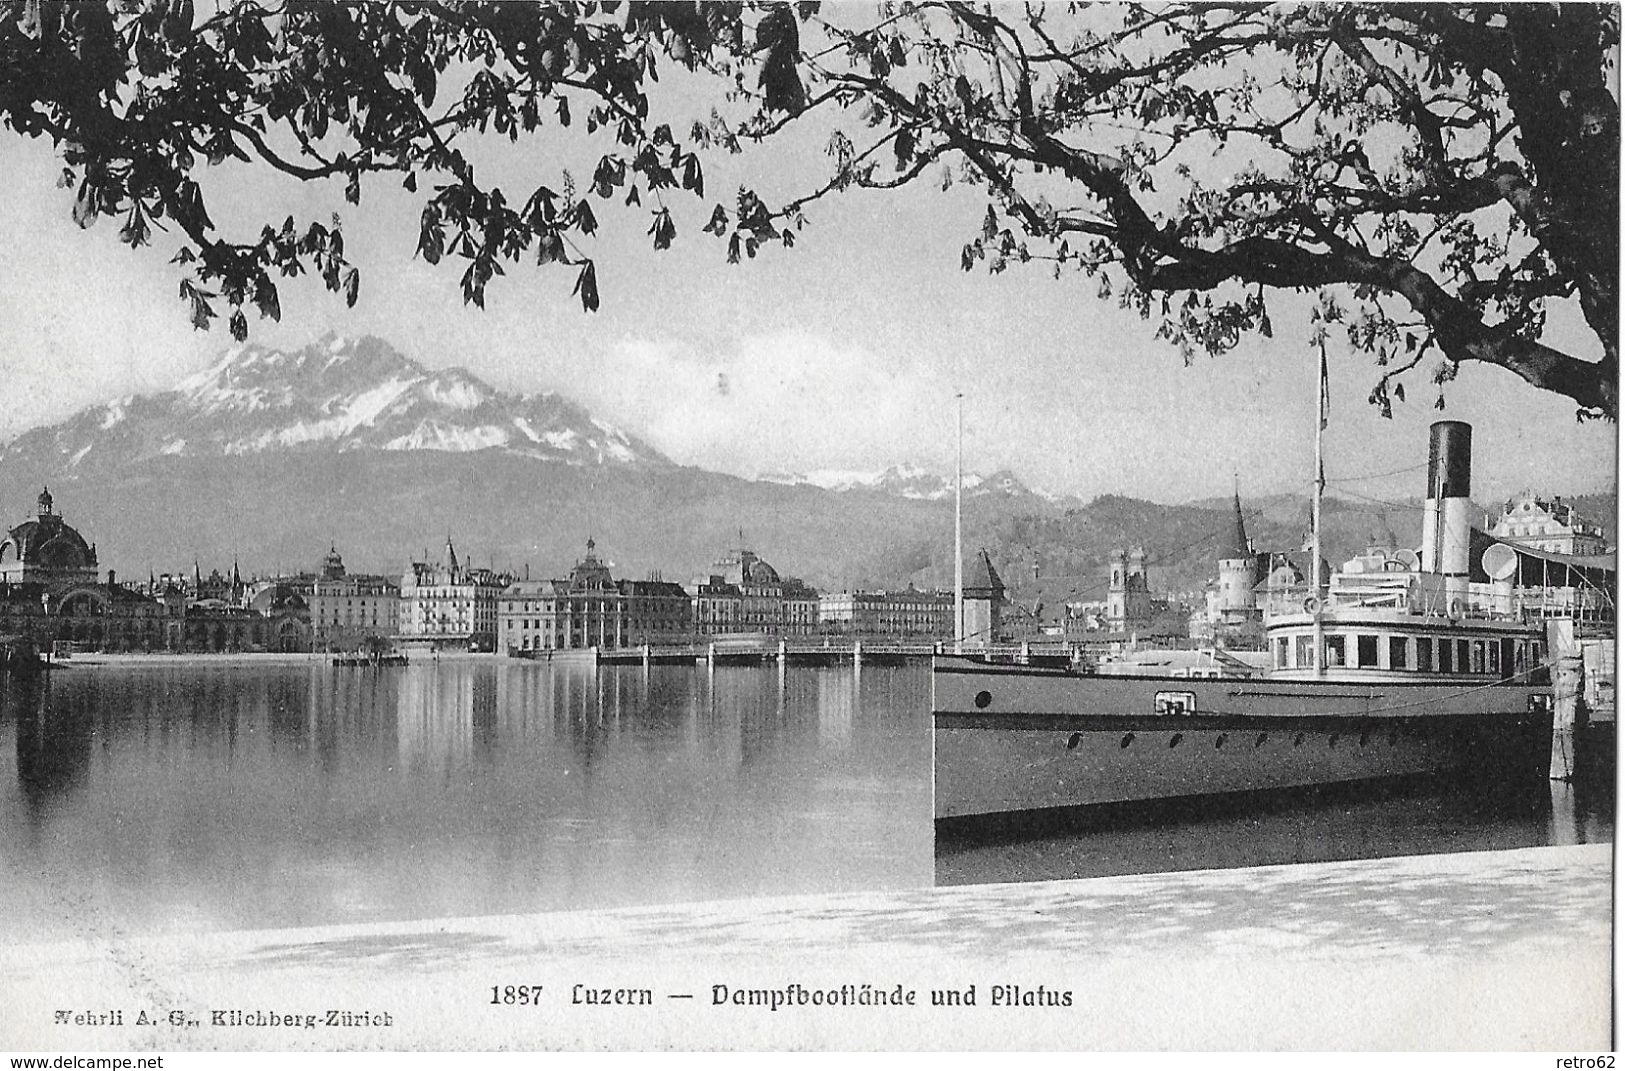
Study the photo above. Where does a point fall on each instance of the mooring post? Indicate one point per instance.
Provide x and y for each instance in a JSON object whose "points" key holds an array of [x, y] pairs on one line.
{"points": [[1026, 653], [857, 652], [1566, 661]]}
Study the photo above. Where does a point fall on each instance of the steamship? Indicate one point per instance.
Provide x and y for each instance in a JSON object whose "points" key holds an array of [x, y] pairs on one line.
{"points": [[1412, 672]]}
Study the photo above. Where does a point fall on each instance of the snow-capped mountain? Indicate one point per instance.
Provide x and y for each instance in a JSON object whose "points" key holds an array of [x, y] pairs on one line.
{"points": [[337, 394], [911, 481]]}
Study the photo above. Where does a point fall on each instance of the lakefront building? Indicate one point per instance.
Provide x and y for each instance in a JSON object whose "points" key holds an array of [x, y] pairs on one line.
{"points": [[906, 614], [51, 593], [448, 605], [1532, 522], [349, 610], [590, 608], [743, 593]]}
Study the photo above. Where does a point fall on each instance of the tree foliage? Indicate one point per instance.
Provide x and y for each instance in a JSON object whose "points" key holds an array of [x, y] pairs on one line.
{"points": [[1439, 174]]}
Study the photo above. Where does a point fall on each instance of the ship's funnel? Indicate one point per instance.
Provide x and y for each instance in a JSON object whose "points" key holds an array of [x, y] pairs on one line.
{"points": [[1447, 521]]}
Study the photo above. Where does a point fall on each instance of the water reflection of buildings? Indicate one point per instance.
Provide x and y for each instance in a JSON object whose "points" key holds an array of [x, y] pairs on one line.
{"points": [[837, 704], [53, 747], [434, 719]]}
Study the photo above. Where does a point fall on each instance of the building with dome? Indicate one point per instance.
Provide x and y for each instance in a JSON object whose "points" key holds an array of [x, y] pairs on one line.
{"points": [[51, 592], [349, 610], [47, 550], [590, 608], [743, 593]]}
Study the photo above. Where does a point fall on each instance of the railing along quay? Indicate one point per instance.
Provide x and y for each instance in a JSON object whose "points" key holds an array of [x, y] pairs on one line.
{"points": [[820, 651]]}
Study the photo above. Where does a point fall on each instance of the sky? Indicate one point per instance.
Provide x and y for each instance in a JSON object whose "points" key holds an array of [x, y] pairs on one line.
{"points": [[843, 353]]}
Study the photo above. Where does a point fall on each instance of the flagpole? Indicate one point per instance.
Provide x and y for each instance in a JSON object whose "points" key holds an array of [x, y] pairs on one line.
{"points": [[959, 528], [1314, 522]]}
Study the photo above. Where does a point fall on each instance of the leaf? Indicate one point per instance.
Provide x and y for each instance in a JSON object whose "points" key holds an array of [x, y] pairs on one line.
{"points": [[1399, 391], [719, 222], [778, 36], [550, 249], [239, 325], [410, 183], [904, 147], [733, 248], [431, 238], [586, 222], [962, 90], [352, 287], [587, 287], [84, 205], [266, 298], [662, 229]]}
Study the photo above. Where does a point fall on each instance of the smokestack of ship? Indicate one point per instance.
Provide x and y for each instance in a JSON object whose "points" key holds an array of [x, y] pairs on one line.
{"points": [[1447, 521]]}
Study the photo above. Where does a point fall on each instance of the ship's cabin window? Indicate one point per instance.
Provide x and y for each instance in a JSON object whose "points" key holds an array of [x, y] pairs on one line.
{"points": [[1365, 651], [1304, 649], [1281, 649], [1447, 657], [1509, 659], [1334, 651], [1398, 653], [1424, 654], [1175, 703], [1478, 656], [1493, 657], [1462, 658]]}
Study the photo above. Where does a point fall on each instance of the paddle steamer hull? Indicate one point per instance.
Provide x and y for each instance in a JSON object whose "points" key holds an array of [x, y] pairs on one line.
{"points": [[1020, 739]]}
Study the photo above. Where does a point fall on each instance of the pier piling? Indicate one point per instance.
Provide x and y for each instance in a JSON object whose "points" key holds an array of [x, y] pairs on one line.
{"points": [[1566, 685]]}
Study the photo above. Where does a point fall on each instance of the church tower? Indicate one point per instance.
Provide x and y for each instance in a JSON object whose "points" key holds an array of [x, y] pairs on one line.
{"points": [[1117, 591]]}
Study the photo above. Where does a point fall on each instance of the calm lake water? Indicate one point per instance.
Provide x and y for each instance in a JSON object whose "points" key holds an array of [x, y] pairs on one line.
{"points": [[191, 796], [197, 796]]}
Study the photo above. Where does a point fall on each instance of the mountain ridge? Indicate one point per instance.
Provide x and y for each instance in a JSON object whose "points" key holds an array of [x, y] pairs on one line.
{"points": [[272, 456]]}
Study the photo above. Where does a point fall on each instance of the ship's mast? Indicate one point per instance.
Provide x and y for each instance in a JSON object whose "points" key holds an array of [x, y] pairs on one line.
{"points": [[1314, 519], [959, 530]]}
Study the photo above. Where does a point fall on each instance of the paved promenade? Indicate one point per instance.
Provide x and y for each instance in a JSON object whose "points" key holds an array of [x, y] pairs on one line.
{"points": [[1494, 950]]}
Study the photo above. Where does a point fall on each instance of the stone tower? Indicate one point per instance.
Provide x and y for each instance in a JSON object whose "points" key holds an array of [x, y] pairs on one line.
{"points": [[1238, 572], [984, 597]]}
